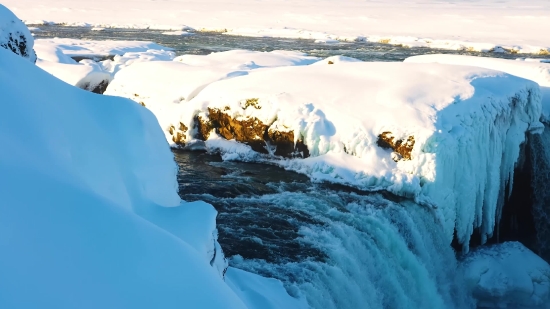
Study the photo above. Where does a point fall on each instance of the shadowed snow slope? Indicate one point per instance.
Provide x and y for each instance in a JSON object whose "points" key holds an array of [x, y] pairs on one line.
{"points": [[87, 216], [467, 124]]}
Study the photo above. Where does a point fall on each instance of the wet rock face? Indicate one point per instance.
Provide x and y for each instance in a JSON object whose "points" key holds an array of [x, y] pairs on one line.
{"points": [[15, 36], [251, 131], [402, 147]]}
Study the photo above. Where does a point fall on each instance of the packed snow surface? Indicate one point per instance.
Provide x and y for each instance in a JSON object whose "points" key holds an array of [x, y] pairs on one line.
{"points": [[508, 275], [459, 116], [479, 25], [537, 70], [104, 226]]}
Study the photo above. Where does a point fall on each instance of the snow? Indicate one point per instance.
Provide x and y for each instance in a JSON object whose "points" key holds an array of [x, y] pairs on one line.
{"points": [[508, 275], [119, 62], [537, 70], [455, 114], [181, 33], [104, 215], [510, 25], [179, 81], [14, 35], [261, 293], [97, 49]]}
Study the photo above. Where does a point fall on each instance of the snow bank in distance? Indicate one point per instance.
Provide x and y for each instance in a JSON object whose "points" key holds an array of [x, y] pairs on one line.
{"points": [[180, 33], [497, 26], [537, 70], [247, 60], [121, 61], [97, 50], [15, 36], [90, 214], [508, 275]]}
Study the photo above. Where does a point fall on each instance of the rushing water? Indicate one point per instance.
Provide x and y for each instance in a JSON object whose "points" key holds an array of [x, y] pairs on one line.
{"points": [[203, 43], [338, 247]]}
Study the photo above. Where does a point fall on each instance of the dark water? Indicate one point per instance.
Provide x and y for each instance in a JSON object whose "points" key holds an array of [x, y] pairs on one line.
{"points": [[336, 246], [203, 43]]}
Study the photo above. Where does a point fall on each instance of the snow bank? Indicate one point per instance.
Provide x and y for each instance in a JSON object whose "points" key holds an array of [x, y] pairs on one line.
{"points": [[537, 71], [97, 49], [445, 123], [90, 216], [490, 25], [86, 75], [179, 81], [15, 36], [508, 275], [119, 62]]}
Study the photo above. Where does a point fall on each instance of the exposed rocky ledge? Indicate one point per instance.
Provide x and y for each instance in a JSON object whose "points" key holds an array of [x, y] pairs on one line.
{"points": [[261, 137]]}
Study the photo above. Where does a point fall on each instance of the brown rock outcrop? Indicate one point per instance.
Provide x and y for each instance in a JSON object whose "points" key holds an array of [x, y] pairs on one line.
{"points": [[400, 146]]}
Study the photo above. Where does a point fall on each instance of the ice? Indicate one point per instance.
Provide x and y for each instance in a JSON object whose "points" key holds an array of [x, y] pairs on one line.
{"points": [[508, 275]]}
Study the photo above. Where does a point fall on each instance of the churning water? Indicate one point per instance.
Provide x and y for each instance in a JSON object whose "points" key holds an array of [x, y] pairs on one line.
{"points": [[338, 247]]}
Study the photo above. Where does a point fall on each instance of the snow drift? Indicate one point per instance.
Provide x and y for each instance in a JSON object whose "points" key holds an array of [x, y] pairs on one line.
{"points": [[89, 211]]}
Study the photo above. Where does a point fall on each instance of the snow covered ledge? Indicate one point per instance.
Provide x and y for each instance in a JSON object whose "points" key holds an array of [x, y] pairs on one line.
{"points": [[462, 128]]}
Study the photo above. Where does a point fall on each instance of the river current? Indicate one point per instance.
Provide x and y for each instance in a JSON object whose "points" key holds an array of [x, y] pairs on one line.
{"points": [[336, 246]]}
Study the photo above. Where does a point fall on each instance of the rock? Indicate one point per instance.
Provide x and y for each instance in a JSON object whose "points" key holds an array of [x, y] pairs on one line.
{"points": [[507, 275], [15, 36], [401, 147], [261, 137]]}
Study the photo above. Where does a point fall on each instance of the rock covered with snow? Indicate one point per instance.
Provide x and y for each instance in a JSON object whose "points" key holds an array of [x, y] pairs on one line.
{"points": [[86, 74], [537, 70], [508, 275], [15, 36], [413, 129]]}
